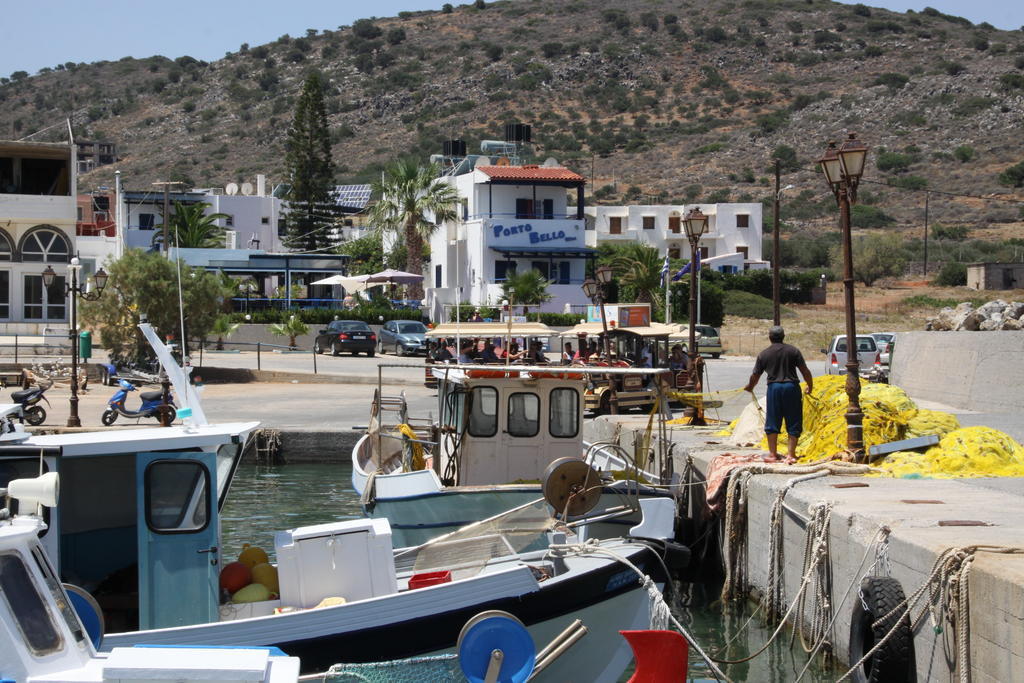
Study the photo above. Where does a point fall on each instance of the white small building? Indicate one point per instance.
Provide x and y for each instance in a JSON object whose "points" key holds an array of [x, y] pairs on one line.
{"points": [[732, 241], [512, 218], [38, 211]]}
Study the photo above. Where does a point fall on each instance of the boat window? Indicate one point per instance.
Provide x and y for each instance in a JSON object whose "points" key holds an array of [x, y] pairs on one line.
{"points": [[483, 412], [523, 414], [563, 422], [57, 593], [452, 407], [173, 488], [26, 605], [228, 457]]}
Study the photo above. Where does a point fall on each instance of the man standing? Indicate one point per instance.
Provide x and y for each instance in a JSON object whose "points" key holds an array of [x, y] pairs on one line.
{"points": [[781, 361]]}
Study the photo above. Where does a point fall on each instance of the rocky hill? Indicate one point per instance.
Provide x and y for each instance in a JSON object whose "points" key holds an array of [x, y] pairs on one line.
{"points": [[653, 100]]}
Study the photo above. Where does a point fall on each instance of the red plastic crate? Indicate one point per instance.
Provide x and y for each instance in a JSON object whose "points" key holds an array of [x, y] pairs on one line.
{"points": [[429, 579]]}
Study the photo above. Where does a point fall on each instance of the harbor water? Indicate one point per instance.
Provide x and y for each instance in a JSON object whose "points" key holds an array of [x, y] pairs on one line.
{"points": [[263, 500]]}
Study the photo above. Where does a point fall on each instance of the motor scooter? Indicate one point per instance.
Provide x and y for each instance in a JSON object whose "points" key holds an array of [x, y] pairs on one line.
{"points": [[29, 399], [151, 404]]}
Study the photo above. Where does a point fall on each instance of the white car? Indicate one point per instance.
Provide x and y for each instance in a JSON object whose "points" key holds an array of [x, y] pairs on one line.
{"points": [[867, 353], [885, 341]]}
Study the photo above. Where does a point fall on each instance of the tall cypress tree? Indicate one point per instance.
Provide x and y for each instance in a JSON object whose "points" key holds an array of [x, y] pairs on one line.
{"points": [[311, 204]]}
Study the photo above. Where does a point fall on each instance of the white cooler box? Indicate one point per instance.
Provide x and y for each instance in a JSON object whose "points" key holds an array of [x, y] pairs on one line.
{"points": [[353, 559]]}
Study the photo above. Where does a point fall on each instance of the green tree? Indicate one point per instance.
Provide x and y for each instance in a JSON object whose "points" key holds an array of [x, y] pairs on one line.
{"points": [[223, 328], [951, 274], [145, 283], [1013, 176], [311, 204], [414, 200], [874, 257], [190, 228], [638, 269], [291, 329], [527, 288]]}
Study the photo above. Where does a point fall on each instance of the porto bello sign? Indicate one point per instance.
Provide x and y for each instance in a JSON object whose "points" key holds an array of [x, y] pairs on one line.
{"points": [[535, 236]]}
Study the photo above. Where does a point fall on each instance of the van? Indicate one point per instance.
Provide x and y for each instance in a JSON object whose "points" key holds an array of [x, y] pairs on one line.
{"points": [[867, 353]]}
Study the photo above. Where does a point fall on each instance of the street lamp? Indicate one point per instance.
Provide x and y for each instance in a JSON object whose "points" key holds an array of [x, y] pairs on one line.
{"points": [[594, 289], [695, 224], [76, 291], [843, 168], [776, 250]]}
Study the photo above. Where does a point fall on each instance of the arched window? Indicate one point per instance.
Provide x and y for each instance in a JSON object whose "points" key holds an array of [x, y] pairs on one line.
{"points": [[45, 244], [6, 247]]}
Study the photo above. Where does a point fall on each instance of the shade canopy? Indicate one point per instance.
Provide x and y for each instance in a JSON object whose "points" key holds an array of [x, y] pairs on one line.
{"points": [[394, 277], [351, 283]]}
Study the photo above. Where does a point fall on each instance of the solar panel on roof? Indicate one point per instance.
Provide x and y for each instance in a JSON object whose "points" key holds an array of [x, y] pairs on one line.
{"points": [[354, 196]]}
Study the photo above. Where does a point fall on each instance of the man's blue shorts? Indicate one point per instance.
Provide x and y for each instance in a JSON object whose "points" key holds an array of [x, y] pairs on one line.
{"points": [[784, 403]]}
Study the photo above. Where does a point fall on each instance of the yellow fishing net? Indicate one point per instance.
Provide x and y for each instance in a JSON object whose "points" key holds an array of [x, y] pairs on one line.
{"points": [[891, 415]]}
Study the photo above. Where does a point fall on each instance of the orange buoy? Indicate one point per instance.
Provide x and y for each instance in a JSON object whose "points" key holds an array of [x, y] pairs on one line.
{"points": [[661, 656], [235, 576]]}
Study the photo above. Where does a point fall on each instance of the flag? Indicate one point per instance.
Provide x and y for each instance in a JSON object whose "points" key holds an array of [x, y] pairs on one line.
{"points": [[685, 270], [664, 269]]}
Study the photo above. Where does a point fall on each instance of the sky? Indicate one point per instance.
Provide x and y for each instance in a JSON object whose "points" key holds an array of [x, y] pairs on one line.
{"points": [[51, 32]]}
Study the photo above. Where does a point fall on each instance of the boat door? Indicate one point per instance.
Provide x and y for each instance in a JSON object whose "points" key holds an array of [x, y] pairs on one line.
{"points": [[178, 530], [522, 411]]}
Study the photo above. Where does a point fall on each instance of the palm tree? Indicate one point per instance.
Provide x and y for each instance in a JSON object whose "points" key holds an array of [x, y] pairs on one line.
{"points": [[190, 228], [408, 194], [528, 287], [223, 328], [638, 268], [291, 329]]}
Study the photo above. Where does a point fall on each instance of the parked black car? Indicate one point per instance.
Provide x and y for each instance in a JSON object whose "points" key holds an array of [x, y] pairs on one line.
{"points": [[403, 336], [346, 335]]}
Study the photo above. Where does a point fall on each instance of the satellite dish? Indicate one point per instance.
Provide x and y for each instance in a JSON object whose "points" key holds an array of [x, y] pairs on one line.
{"points": [[232, 188], [482, 161], [550, 162], [247, 189]]}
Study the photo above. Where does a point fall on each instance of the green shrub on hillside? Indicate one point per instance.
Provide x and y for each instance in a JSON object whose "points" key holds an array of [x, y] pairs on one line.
{"points": [[951, 275], [747, 305]]}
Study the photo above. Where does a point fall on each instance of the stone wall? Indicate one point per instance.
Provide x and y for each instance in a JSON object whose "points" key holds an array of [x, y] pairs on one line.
{"points": [[981, 371]]}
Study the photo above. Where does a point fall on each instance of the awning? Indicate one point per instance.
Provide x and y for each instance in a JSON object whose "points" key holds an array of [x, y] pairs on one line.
{"points": [[546, 252], [468, 329]]}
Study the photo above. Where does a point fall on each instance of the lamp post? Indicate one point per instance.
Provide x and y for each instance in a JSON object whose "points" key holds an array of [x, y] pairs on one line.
{"points": [[75, 291], [695, 224], [843, 168], [594, 289]]}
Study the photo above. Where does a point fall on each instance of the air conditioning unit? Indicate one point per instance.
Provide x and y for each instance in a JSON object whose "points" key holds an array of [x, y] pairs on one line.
{"points": [[231, 239]]}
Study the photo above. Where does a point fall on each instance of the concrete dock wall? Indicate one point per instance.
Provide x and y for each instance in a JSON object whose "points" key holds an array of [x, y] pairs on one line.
{"points": [[912, 509], [981, 371]]}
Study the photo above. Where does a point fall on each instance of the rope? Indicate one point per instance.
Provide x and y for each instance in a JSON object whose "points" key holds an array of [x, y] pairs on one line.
{"points": [[661, 616], [821, 585], [418, 463]]}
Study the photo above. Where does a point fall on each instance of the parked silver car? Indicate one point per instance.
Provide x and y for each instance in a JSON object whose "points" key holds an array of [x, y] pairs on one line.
{"points": [[885, 341], [403, 337], [867, 354]]}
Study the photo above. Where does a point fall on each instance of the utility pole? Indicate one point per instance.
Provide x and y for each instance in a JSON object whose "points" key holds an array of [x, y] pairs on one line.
{"points": [[776, 287], [166, 184], [926, 195]]}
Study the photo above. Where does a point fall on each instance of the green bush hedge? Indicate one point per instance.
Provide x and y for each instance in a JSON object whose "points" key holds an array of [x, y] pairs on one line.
{"points": [[747, 305], [322, 316]]}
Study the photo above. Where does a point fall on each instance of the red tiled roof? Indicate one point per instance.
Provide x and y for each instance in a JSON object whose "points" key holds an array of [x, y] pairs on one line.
{"points": [[530, 173]]}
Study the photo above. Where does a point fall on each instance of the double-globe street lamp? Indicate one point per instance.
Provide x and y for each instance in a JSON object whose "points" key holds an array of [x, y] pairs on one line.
{"points": [[843, 168], [75, 290], [594, 289], [695, 224]]}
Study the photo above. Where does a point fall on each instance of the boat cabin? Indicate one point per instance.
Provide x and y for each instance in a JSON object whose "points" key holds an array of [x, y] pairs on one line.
{"points": [[506, 426], [137, 522]]}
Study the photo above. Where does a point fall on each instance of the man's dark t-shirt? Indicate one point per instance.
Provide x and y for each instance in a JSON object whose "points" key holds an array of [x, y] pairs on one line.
{"points": [[779, 362]]}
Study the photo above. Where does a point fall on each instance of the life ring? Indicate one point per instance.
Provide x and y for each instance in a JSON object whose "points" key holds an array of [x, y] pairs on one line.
{"points": [[491, 374], [557, 375], [894, 662]]}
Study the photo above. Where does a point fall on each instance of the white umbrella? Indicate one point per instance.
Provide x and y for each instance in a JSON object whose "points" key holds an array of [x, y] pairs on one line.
{"points": [[354, 283]]}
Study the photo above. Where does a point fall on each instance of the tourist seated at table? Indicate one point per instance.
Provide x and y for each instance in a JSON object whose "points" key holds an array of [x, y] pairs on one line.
{"points": [[467, 354], [514, 354], [568, 355], [488, 354], [536, 356], [441, 354], [678, 360]]}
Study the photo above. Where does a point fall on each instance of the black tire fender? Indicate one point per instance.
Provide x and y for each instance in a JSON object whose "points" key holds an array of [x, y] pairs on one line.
{"points": [[894, 662]]}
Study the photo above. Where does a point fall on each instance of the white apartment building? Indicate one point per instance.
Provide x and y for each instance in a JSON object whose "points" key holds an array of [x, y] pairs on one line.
{"points": [[512, 218], [732, 241], [38, 210]]}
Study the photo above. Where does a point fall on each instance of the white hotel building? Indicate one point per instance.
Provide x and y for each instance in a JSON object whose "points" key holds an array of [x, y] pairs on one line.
{"points": [[512, 218], [732, 242]]}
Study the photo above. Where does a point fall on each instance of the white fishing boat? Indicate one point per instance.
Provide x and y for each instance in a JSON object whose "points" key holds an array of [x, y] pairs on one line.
{"points": [[503, 431]]}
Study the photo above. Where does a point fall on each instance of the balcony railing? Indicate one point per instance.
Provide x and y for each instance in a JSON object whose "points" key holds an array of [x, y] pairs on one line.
{"points": [[534, 216], [96, 229]]}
